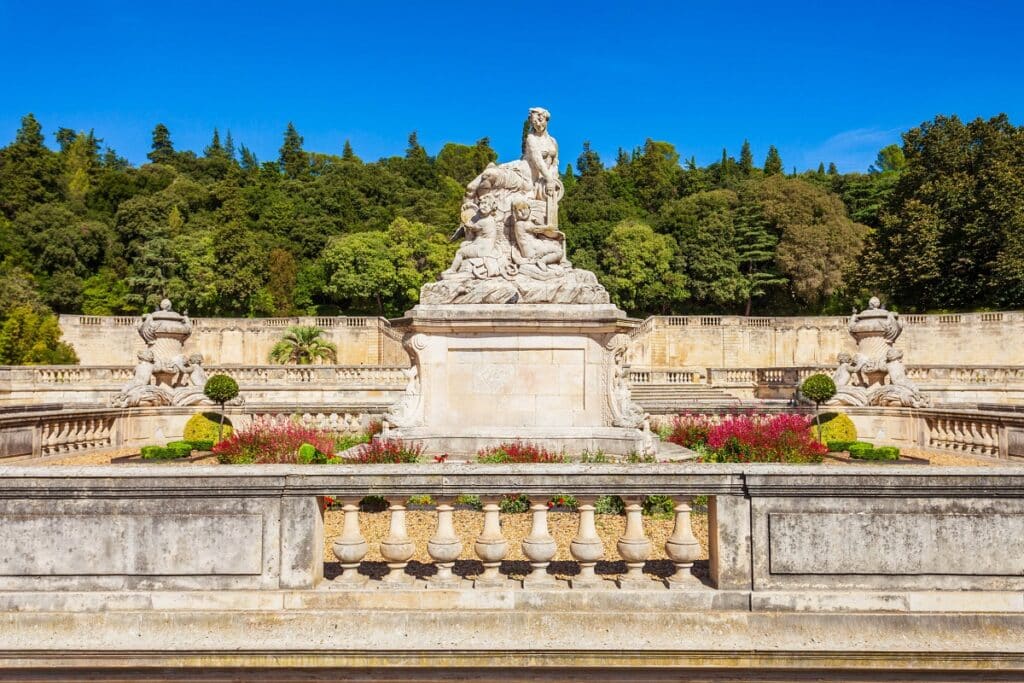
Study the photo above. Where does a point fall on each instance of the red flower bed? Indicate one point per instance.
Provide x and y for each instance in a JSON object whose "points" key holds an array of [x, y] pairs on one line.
{"points": [[386, 451], [271, 441], [517, 452], [690, 430], [763, 438]]}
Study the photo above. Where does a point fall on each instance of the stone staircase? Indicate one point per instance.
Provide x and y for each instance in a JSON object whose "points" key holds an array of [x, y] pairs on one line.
{"points": [[675, 398]]}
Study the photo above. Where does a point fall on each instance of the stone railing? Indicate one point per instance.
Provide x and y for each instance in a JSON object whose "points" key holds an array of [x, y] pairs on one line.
{"points": [[667, 376], [77, 430], [285, 384], [796, 322], [225, 566]]}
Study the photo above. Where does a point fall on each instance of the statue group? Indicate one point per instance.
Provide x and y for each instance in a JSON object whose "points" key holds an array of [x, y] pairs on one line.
{"points": [[513, 251], [875, 374], [164, 376]]}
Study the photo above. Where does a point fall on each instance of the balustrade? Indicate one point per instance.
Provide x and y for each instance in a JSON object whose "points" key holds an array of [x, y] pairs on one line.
{"points": [[963, 434], [539, 548]]}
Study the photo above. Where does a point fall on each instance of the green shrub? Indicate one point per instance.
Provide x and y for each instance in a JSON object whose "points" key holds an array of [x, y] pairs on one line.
{"points": [[860, 449], [472, 501], [838, 446], [163, 452], [182, 447], [836, 427], [659, 506], [203, 427], [373, 504], [201, 445], [309, 455], [514, 504], [887, 453], [420, 500], [564, 500], [609, 505]]}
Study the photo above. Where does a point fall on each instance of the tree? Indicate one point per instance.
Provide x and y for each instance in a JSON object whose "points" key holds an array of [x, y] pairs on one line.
{"points": [[655, 174], [162, 151], [293, 159], [640, 270], [303, 345], [818, 243], [755, 246], [30, 173], [220, 389], [773, 162], [347, 154], [951, 231], [703, 228], [462, 163], [31, 336], [890, 158], [818, 388], [746, 159]]}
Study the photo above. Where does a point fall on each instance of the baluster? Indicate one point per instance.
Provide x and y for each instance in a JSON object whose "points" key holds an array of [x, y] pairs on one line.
{"points": [[633, 546], [350, 548], [973, 442], [397, 548], [539, 547], [491, 546], [683, 548], [586, 548], [444, 547]]}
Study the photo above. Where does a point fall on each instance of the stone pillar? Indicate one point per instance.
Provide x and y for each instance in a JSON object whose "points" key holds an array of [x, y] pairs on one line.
{"points": [[586, 548], [634, 546], [444, 547], [350, 548], [539, 547], [397, 548], [683, 548], [729, 542], [491, 546]]}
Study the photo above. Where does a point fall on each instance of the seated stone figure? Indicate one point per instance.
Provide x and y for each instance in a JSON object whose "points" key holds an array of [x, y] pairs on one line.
{"points": [[480, 255], [140, 390], [537, 245]]}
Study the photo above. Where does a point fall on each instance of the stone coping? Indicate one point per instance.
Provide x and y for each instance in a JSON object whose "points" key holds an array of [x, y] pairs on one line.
{"points": [[498, 316], [448, 479]]}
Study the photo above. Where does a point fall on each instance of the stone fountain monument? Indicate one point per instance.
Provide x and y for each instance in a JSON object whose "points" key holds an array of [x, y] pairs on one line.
{"points": [[165, 376], [513, 342], [875, 375]]}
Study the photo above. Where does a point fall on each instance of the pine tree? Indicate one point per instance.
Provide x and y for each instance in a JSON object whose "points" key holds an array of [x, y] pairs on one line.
{"points": [[832, 170], [229, 146], [773, 162], [821, 168], [162, 148], [746, 159], [293, 160], [589, 162], [622, 159], [248, 159], [418, 165], [568, 178], [214, 149], [346, 153], [755, 248]]}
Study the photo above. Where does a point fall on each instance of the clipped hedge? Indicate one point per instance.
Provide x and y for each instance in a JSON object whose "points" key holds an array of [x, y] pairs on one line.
{"points": [[200, 445], [838, 446], [883, 453], [836, 427], [860, 449], [162, 453], [203, 427], [182, 447]]}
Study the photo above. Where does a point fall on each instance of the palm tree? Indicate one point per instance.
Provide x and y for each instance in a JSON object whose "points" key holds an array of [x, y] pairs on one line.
{"points": [[303, 345]]}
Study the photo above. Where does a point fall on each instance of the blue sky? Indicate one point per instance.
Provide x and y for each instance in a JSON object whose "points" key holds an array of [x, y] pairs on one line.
{"points": [[822, 81]]}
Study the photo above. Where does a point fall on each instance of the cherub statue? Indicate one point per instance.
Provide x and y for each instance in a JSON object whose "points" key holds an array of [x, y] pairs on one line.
{"points": [[537, 244], [483, 245]]}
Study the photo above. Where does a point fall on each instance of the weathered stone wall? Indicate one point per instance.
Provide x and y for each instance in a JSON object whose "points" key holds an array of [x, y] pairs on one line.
{"points": [[737, 342], [100, 340], [666, 341]]}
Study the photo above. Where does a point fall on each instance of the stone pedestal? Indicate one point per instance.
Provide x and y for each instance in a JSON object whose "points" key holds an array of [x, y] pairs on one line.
{"points": [[543, 373]]}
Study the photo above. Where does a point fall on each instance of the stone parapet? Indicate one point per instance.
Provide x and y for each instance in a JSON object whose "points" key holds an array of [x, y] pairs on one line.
{"points": [[869, 568]]}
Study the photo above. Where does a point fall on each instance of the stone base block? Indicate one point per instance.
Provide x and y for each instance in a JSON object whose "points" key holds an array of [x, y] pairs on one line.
{"points": [[572, 441]]}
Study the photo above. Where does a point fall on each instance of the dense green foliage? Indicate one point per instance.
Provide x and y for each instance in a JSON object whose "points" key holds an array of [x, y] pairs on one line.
{"points": [[936, 223]]}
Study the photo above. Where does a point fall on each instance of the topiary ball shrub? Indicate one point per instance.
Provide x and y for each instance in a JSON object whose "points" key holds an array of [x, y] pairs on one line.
{"points": [[836, 427], [818, 388], [203, 427], [220, 389]]}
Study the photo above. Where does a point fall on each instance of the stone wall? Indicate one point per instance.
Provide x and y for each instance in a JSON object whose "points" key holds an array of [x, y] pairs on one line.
{"points": [[870, 568], [106, 340], [984, 339]]}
